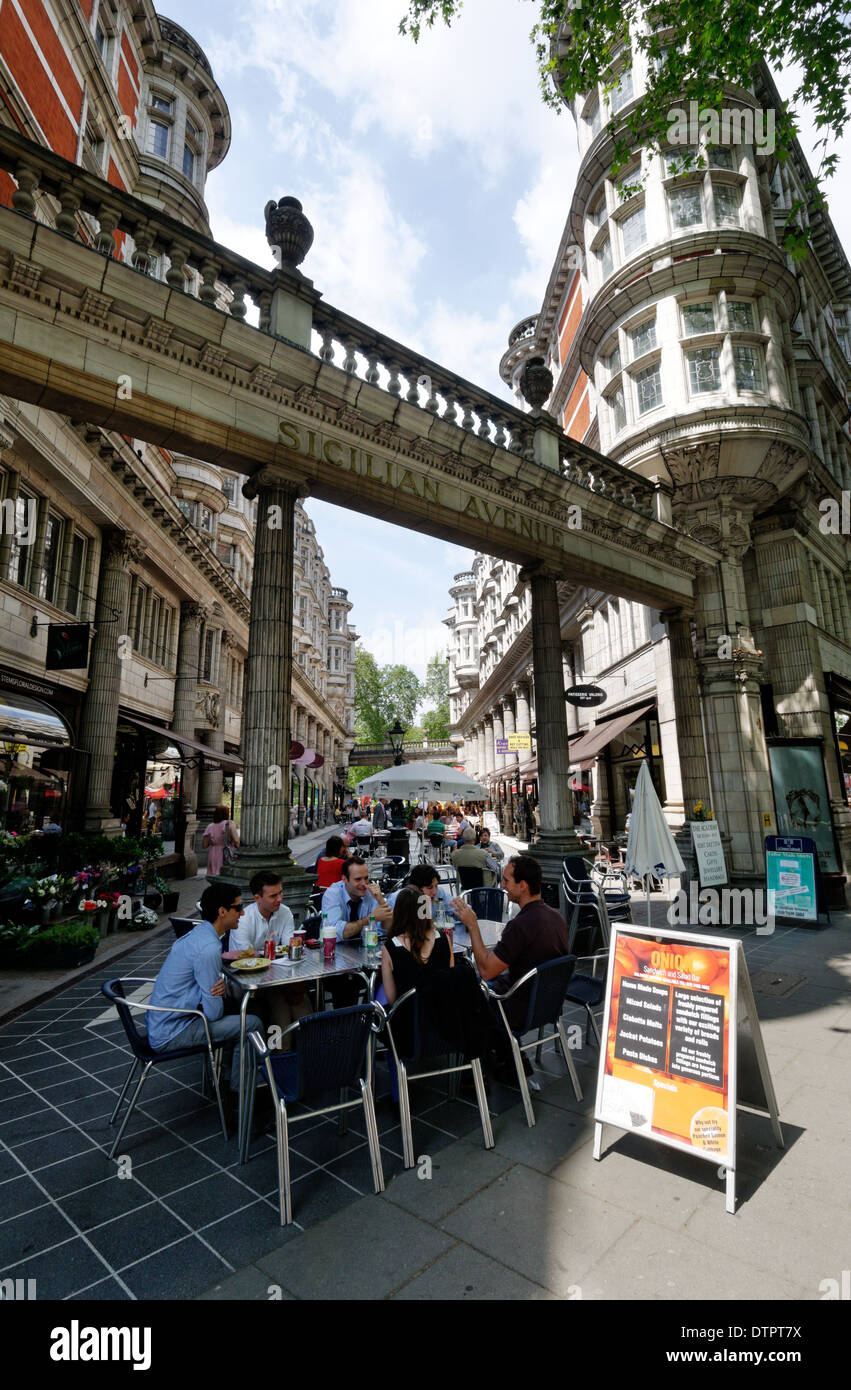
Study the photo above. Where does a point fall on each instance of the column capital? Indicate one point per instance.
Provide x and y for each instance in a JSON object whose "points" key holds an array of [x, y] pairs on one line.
{"points": [[120, 548], [266, 479], [7, 437], [191, 611]]}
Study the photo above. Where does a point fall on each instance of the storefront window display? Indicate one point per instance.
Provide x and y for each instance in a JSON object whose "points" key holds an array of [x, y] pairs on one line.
{"points": [[34, 766]]}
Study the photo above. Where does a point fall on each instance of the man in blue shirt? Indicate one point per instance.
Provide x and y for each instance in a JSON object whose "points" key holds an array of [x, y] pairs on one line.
{"points": [[191, 978], [349, 904]]}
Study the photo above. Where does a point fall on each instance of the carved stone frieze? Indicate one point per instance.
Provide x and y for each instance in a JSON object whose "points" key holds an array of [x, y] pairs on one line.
{"points": [[262, 379], [94, 308], [208, 705], [212, 357], [156, 333], [24, 274]]}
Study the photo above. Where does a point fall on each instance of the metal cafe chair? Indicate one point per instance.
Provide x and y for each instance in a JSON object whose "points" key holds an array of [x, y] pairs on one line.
{"points": [[447, 874], [548, 986], [470, 877], [428, 1045], [438, 849], [488, 903], [333, 1052], [145, 1056], [589, 991]]}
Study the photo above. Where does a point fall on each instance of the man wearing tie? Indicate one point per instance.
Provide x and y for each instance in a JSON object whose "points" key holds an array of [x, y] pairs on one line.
{"points": [[379, 815]]}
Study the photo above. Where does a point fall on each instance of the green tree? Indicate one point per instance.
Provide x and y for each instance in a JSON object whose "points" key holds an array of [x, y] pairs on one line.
{"points": [[436, 692], [697, 48], [383, 694]]}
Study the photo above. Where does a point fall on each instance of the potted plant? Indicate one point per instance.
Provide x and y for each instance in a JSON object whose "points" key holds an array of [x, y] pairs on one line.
{"points": [[144, 919], [13, 935], [65, 945]]}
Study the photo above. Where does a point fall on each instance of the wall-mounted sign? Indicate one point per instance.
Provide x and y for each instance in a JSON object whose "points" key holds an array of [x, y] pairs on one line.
{"points": [[585, 696], [706, 838], [502, 745], [519, 743], [682, 1045]]}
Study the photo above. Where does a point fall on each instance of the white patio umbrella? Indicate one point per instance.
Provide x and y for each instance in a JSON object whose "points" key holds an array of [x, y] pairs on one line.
{"points": [[423, 781], [651, 848]]}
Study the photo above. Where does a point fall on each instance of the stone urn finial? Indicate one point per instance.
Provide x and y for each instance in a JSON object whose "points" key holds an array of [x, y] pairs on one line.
{"points": [[288, 231], [536, 383]]}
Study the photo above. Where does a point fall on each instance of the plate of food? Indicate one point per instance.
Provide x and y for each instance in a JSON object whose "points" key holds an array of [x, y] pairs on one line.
{"points": [[251, 963]]}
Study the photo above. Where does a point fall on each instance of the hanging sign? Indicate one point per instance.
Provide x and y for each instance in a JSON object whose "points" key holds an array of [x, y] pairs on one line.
{"points": [[502, 745], [682, 1045], [706, 838], [67, 647], [519, 743], [585, 696], [790, 874]]}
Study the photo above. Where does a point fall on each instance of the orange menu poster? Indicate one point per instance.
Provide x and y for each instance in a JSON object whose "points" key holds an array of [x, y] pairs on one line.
{"points": [[667, 1059]]}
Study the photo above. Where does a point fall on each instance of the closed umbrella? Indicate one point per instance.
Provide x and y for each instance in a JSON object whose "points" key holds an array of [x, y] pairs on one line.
{"points": [[651, 848]]}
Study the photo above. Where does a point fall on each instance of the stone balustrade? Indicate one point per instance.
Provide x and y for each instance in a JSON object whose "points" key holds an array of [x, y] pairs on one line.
{"points": [[84, 207]]}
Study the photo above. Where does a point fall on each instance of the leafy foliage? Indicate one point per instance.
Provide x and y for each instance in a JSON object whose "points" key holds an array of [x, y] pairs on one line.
{"points": [[436, 691], [383, 694], [698, 50]]}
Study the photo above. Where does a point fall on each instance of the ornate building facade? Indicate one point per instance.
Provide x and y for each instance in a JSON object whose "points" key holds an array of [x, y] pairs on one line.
{"points": [[687, 345], [153, 549]]}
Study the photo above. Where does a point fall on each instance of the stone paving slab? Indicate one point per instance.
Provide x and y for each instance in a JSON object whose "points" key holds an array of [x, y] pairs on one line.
{"points": [[376, 1249], [458, 1172], [466, 1274], [540, 1228]]}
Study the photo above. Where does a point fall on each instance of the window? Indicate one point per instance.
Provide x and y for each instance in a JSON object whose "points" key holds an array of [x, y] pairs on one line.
{"points": [[622, 93], [76, 571], [704, 370], [192, 132], [686, 210], [153, 648], [96, 143], [141, 595], [643, 338], [189, 162], [594, 119], [159, 103], [229, 490], [748, 364], [101, 41], [612, 363], [740, 315], [158, 139], [50, 560], [633, 231], [23, 538], [720, 157], [604, 256], [727, 200], [842, 330], [648, 389], [675, 160], [617, 405], [597, 213], [698, 318], [207, 655]]}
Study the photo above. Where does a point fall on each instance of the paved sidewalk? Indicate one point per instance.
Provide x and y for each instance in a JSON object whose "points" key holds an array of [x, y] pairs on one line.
{"points": [[538, 1218]]}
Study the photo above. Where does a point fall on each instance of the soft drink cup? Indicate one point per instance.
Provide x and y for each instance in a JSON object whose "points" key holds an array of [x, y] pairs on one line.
{"points": [[270, 949], [329, 945]]}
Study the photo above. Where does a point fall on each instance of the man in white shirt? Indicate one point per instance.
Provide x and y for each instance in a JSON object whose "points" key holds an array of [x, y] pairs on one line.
{"points": [[268, 915], [363, 826]]}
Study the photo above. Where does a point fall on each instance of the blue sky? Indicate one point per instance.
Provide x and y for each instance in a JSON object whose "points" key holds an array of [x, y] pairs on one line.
{"points": [[438, 184]]}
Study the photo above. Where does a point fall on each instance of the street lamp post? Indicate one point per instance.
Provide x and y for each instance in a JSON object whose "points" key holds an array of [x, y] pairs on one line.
{"points": [[396, 736]]}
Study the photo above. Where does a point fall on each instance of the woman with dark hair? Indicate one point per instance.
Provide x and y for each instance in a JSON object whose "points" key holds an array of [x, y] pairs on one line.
{"points": [[329, 865], [413, 945], [221, 834]]}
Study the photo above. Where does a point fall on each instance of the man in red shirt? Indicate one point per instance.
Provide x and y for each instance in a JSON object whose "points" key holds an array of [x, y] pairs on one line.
{"points": [[537, 933]]}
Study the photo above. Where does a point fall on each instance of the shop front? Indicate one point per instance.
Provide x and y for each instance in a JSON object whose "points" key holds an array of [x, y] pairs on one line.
{"points": [[618, 745], [40, 768]]}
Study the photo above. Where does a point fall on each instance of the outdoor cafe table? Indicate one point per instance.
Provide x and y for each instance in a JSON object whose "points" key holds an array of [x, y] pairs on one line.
{"points": [[312, 968]]}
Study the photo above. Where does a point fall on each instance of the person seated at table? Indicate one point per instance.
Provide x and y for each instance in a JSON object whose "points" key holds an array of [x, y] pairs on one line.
{"points": [[268, 916], [421, 821], [412, 946], [362, 827], [536, 934], [329, 863], [491, 847], [424, 878], [436, 826], [191, 978], [469, 855], [349, 904]]}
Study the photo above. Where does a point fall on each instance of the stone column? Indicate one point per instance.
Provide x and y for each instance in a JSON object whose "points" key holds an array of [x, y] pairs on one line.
{"points": [[10, 490], [568, 664], [192, 618], [556, 837], [268, 693], [509, 724], [490, 755], [100, 714], [523, 716], [499, 759], [210, 788], [299, 736], [690, 743]]}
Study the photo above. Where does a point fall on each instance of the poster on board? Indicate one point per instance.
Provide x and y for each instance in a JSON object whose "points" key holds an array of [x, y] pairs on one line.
{"points": [[709, 852], [790, 877], [668, 1064], [801, 797]]}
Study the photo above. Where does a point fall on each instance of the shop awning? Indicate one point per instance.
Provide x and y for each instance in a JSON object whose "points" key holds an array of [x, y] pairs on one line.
{"points": [[229, 761], [27, 721], [593, 741], [529, 769]]}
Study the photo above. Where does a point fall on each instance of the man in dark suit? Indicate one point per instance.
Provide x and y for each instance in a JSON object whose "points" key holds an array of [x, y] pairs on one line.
{"points": [[379, 815]]}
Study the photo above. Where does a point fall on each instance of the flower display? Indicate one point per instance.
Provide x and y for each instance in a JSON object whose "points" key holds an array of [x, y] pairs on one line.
{"points": [[701, 812], [92, 904]]}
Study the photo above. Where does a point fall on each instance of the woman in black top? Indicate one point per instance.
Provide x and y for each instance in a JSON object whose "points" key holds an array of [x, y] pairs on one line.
{"points": [[413, 945]]}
